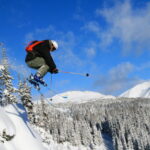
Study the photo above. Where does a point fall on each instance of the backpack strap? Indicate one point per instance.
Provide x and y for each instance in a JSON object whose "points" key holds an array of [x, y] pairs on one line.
{"points": [[32, 44]]}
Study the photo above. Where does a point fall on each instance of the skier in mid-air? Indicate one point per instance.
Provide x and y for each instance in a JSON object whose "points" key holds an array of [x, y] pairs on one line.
{"points": [[39, 57]]}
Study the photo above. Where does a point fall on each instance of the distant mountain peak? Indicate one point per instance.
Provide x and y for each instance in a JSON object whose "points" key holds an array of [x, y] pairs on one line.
{"points": [[78, 96], [140, 90]]}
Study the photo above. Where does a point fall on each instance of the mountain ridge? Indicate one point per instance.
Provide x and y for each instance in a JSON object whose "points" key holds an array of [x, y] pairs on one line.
{"points": [[139, 90], [79, 96]]}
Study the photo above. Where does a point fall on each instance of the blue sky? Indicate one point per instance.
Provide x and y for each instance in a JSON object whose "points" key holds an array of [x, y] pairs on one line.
{"points": [[107, 39]]}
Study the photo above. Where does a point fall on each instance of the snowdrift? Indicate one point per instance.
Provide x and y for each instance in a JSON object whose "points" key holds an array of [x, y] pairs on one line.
{"points": [[13, 121]]}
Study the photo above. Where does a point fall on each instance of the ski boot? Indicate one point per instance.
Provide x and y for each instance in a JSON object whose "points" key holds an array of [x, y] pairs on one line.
{"points": [[39, 80], [33, 82]]}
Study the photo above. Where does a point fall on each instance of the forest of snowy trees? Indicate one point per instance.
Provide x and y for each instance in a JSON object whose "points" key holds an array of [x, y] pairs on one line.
{"points": [[125, 121]]}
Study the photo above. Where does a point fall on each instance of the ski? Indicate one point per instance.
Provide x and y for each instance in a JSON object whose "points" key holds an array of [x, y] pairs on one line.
{"points": [[34, 83]]}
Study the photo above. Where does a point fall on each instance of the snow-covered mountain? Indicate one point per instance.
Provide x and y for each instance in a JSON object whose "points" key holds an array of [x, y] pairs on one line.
{"points": [[16, 133], [78, 97], [82, 121], [140, 90]]}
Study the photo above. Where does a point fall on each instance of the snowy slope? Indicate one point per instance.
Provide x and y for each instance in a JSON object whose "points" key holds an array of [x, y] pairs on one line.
{"points": [[6, 125], [78, 96], [140, 90], [14, 121]]}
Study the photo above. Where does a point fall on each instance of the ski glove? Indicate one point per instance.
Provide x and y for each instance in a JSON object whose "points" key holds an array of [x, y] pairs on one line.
{"points": [[55, 70]]}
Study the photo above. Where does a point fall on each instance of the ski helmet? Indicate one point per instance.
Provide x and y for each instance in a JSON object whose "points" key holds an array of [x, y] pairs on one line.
{"points": [[55, 44]]}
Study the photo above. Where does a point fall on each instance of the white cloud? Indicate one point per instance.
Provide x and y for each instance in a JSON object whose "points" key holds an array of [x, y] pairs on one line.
{"points": [[91, 52], [20, 69], [117, 79], [129, 26], [93, 26], [121, 71]]}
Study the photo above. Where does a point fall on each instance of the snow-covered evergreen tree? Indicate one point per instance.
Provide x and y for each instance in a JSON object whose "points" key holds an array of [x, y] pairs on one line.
{"points": [[1, 87], [25, 96], [8, 89], [1, 93], [42, 114]]}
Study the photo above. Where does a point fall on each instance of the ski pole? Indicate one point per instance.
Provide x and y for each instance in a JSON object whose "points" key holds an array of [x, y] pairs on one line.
{"points": [[82, 74]]}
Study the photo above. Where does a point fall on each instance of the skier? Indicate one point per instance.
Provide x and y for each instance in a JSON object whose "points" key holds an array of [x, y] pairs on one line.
{"points": [[39, 57]]}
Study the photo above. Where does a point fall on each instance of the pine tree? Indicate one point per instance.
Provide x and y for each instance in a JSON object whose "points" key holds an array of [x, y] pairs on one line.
{"points": [[8, 89], [25, 96], [1, 92], [43, 114], [1, 81]]}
